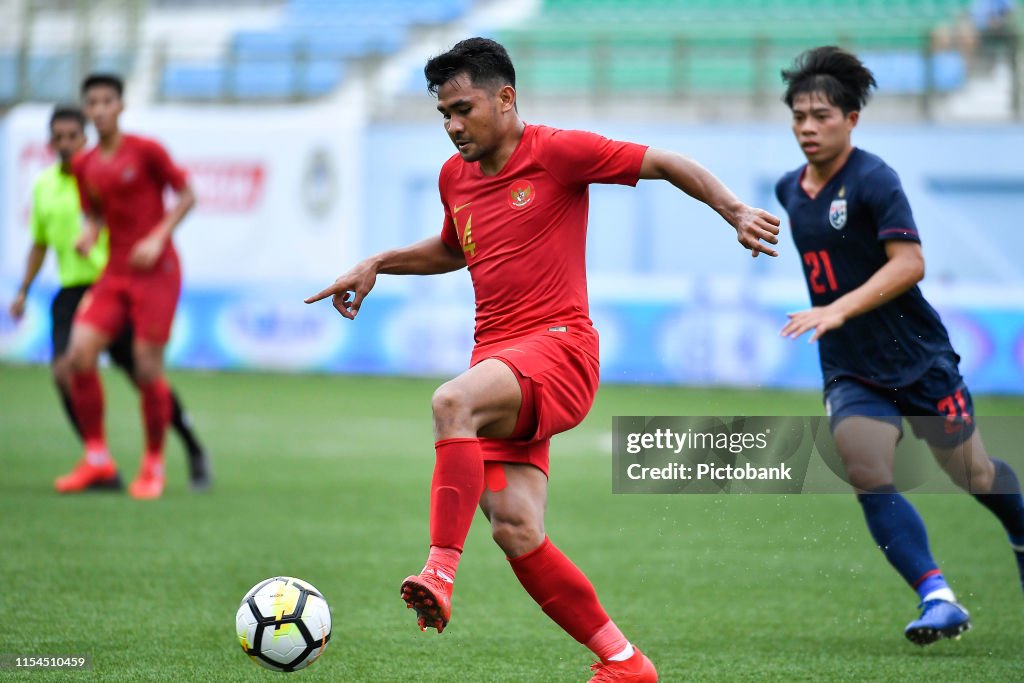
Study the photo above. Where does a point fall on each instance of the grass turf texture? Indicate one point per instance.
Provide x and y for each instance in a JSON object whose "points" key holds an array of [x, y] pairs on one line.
{"points": [[327, 478]]}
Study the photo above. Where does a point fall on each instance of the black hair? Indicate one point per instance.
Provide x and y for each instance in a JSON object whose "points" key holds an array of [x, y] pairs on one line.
{"points": [[67, 112], [485, 61], [832, 71], [108, 80]]}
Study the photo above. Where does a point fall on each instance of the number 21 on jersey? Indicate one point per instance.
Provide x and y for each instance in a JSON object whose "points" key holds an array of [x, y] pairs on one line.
{"points": [[820, 265]]}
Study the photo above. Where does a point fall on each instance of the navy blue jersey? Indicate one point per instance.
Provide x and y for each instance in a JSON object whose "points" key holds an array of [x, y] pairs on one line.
{"points": [[841, 237]]}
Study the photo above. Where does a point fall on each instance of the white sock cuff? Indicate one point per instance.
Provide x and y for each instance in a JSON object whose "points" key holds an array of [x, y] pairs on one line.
{"points": [[940, 594], [624, 655]]}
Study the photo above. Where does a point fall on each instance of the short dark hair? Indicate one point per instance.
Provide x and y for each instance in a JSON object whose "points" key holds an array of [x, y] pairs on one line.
{"points": [[107, 80], [832, 71], [67, 112], [485, 61]]}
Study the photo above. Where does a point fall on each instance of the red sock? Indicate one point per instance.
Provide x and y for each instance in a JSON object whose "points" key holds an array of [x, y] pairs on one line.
{"points": [[87, 400], [156, 415], [607, 642], [568, 597], [455, 491], [443, 560]]}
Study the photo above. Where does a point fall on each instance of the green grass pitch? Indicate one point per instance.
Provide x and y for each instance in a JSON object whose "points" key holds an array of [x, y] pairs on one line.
{"points": [[327, 478]]}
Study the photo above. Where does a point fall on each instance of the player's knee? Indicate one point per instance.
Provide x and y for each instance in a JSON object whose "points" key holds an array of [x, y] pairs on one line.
{"points": [[867, 476], [975, 476], [148, 368], [515, 534], [146, 373], [61, 369], [449, 405], [81, 359]]}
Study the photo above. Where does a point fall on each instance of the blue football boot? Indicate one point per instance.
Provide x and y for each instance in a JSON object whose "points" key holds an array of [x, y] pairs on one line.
{"points": [[939, 619]]}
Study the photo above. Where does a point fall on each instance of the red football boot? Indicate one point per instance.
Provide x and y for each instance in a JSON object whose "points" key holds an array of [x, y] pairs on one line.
{"points": [[150, 482], [637, 668], [430, 594], [89, 477]]}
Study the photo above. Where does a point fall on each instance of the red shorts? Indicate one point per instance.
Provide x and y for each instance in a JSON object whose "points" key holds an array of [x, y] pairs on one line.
{"points": [[147, 299], [558, 380]]}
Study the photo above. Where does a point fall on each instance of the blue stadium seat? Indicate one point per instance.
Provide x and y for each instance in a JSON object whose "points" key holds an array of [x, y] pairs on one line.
{"points": [[906, 72], [271, 44], [334, 44], [263, 79], [8, 76], [950, 71], [193, 81], [52, 76], [321, 77]]}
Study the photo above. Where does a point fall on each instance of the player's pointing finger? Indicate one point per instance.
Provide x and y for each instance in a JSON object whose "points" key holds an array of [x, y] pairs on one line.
{"points": [[319, 296]]}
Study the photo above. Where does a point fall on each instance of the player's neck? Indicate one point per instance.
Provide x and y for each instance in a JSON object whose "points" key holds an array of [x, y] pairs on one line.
{"points": [[818, 175], [493, 164], [111, 141]]}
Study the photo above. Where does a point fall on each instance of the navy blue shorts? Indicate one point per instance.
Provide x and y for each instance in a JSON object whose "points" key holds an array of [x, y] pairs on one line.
{"points": [[938, 406]]}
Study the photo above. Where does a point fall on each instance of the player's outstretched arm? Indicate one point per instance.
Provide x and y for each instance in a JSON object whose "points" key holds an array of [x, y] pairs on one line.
{"points": [[33, 263], [752, 225], [428, 257], [903, 269]]}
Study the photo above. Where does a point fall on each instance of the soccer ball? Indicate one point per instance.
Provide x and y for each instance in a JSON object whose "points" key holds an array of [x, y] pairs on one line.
{"points": [[283, 623]]}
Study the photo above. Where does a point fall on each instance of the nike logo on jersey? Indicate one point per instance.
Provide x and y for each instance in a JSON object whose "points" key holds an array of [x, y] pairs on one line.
{"points": [[456, 209]]}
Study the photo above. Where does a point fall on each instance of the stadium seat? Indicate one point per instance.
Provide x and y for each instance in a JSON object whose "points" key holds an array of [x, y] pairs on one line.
{"points": [[8, 76], [263, 79], [193, 81], [321, 77], [52, 76], [726, 46]]}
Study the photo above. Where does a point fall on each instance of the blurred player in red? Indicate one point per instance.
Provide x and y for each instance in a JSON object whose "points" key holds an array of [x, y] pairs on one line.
{"points": [[515, 200], [56, 222], [121, 182]]}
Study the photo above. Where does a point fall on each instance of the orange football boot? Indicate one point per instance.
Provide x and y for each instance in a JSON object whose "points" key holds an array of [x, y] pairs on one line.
{"points": [[150, 482], [638, 669], [430, 594], [89, 477]]}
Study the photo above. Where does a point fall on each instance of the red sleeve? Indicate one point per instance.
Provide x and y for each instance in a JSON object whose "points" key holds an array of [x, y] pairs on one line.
{"points": [[577, 157], [449, 235], [78, 170], [163, 168]]}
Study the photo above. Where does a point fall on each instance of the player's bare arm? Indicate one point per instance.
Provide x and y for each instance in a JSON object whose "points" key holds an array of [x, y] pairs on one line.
{"points": [[33, 263], [90, 233], [148, 250], [427, 257], [903, 269], [753, 226]]}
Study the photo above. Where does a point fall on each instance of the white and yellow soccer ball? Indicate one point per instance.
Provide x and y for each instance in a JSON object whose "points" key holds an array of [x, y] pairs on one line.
{"points": [[283, 623]]}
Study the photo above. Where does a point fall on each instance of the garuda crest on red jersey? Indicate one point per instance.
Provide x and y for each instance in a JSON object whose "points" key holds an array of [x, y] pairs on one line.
{"points": [[520, 194]]}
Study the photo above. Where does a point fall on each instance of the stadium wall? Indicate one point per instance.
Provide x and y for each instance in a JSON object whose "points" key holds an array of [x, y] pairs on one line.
{"points": [[290, 197]]}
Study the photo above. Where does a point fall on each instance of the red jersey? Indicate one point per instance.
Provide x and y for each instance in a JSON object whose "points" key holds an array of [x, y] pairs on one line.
{"points": [[127, 190], [524, 230]]}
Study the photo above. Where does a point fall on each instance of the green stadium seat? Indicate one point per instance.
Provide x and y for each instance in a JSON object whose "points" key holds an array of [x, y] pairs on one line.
{"points": [[729, 46]]}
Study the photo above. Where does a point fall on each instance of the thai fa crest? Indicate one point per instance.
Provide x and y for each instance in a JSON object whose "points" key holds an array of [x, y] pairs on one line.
{"points": [[837, 211]]}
